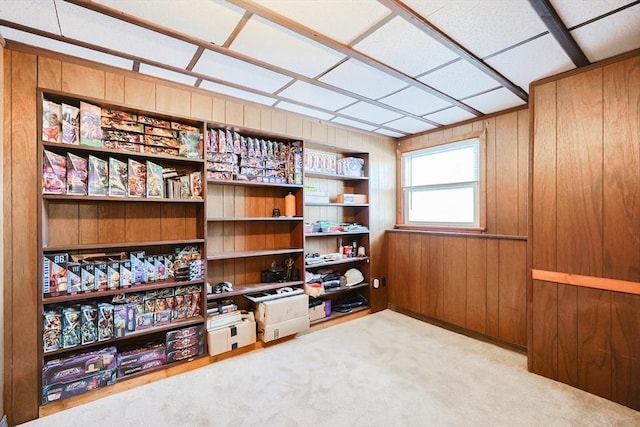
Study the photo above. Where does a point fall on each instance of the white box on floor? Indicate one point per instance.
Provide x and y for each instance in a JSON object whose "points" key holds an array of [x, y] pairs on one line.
{"points": [[270, 332], [231, 337], [279, 310], [317, 312]]}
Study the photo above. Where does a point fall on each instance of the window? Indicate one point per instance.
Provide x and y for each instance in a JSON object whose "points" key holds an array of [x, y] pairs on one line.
{"points": [[442, 185]]}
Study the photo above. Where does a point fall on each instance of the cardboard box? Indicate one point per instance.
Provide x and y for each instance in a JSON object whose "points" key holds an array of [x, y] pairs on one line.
{"points": [[317, 312], [231, 337], [279, 310], [51, 393], [79, 366], [270, 332], [351, 198]]}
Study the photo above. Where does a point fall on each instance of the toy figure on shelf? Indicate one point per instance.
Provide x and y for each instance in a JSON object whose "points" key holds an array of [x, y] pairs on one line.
{"points": [[288, 268]]}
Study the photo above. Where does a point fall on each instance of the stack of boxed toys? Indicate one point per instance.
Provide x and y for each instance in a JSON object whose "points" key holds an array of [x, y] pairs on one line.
{"points": [[228, 328], [118, 130], [94, 176], [66, 377], [233, 156], [283, 316]]}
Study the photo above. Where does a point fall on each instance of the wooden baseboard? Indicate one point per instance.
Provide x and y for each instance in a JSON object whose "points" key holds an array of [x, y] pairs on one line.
{"points": [[460, 330]]}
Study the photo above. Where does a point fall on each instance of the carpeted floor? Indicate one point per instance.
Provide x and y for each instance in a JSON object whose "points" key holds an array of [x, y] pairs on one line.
{"points": [[385, 369]]}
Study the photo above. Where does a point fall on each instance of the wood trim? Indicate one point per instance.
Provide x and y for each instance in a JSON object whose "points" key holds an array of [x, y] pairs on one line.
{"points": [[587, 281], [457, 234]]}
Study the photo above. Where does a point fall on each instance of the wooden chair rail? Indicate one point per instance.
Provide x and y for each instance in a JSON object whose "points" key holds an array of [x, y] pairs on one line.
{"points": [[587, 281]]}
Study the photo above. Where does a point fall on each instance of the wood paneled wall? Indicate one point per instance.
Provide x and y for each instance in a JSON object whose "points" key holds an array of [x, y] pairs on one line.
{"points": [[27, 69], [471, 281], [586, 221], [2, 220]]}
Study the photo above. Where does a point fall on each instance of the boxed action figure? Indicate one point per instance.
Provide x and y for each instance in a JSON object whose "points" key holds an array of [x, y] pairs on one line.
{"points": [[52, 393], [77, 174], [51, 117], [100, 275], [118, 177], [105, 321], [70, 124], [89, 323], [54, 274], [87, 277], [74, 279], [113, 275], [90, 129], [98, 177], [54, 173], [126, 275], [51, 331], [71, 336]]}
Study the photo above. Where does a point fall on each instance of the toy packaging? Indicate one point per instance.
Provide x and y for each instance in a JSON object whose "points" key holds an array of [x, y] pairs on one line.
{"points": [[190, 144], [130, 321], [89, 323], [184, 333], [185, 353], [54, 173], [90, 129], [195, 184], [126, 276], [181, 344], [113, 275], [119, 115], [70, 124], [74, 279], [155, 182], [112, 135], [138, 267], [137, 178], [54, 274], [151, 121], [182, 126], [105, 321], [78, 366], [87, 277], [52, 393], [119, 320], [51, 118], [158, 131], [135, 369], [77, 173], [71, 335], [51, 331], [98, 177], [118, 177], [100, 275], [123, 125]]}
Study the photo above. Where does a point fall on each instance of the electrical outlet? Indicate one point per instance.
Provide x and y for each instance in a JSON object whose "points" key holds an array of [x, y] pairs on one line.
{"points": [[376, 283]]}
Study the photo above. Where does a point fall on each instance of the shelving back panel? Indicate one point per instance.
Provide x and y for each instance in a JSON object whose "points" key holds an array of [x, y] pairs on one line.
{"points": [[95, 223], [237, 201]]}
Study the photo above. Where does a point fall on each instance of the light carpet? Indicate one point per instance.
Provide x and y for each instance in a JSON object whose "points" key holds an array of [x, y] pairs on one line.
{"points": [[386, 369]]}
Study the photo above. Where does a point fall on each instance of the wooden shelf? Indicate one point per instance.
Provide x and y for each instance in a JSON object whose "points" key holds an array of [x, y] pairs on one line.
{"points": [[250, 254], [251, 183], [256, 218], [344, 289], [335, 233], [68, 197], [63, 248], [149, 331], [96, 150], [335, 176], [349, 205], [336, 315], [111, 292], [251, 288], [336, 262]]}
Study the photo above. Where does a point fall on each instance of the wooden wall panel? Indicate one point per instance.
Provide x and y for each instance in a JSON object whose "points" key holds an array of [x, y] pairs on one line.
{"points": [[477, 285], [22, 384], [568, 335], [413, 273], [491, 184], [506, 175], [139, 93], [81, 80], [114, 88], [435, 277], [594, 349], [173, 100], [625, 349], [455, 280], [493, 288], [252, 117], [621, 201], [49, 73], [111, 223], [579, 162], [523, 172], [87, 223], [544, 199], [201, 106], [511, 298], [543, 347]]}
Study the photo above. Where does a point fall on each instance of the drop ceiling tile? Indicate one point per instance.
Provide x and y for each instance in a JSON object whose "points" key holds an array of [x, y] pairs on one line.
{"points": [[278, 46], [415, 101], [174, 15], [418, 53], [574, 12], [496, 100], [450, 115], [82, 24], [40, 14], [459, 79], [353, 123], [482, 26], [65, 48], [370, 113], [304, 110], [534, 60], [237, 93], [409, 125], [167, 74], [315, 95], [343, 21], [356, 77], [607, 37], [239, 72], [390, 133]]}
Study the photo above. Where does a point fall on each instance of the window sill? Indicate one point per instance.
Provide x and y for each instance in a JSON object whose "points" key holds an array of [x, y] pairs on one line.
{"points": [[461, 230]]}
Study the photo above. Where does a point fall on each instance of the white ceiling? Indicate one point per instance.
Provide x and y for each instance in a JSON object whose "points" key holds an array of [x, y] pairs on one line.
{"points": [[393, 67]]}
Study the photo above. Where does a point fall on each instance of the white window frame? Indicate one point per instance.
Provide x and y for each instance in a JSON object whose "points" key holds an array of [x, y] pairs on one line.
{"points": [[478, 186]]}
